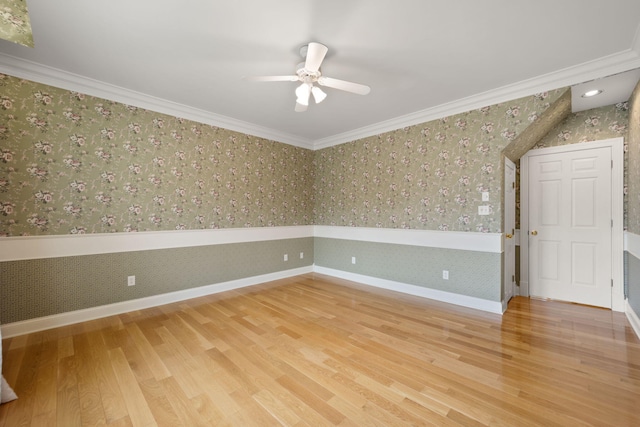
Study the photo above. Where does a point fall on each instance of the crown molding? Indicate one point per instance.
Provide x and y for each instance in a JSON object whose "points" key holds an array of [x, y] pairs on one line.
{"points": [[605, 66], [39, 73]]}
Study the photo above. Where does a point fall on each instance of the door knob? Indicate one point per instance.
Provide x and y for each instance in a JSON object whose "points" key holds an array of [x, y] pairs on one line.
{"points": [[508, 236], [534, 233]]}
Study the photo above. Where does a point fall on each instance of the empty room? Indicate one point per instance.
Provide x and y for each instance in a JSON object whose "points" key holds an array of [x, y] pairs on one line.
{"points": [[286, 213]]}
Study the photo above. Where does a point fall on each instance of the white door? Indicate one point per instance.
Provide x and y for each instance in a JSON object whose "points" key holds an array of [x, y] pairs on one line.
{"points": [[570, 226], [509, 229]]}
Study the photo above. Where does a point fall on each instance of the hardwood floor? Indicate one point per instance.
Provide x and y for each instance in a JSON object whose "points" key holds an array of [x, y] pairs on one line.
{"points": [[315, 351]]}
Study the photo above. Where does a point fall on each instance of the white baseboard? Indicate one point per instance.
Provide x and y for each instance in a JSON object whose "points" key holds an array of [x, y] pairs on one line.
{"points": [[63, 319], [448, 297], [633, 319]]}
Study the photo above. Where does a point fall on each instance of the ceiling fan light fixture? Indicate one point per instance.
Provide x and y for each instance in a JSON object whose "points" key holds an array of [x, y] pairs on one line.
{"points": [[318, 94], [302, 93], [309, 75]]}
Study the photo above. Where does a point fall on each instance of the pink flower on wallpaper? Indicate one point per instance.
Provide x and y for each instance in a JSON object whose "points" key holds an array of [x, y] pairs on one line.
{"points": [[38, 172], [72, 163], [7, 156], [103, 198], [135, 209], [77, 139], [38, 222], [130, 189], [592, 121], [513, 111], [135, 168], [108, 220], [564, 135], [108, 176], [6, 103], [487, 127], [78, 186], [71, 116], [7, 208], [102, 154], [108, 133], [460, 123], [135, 128], [42, 97], [487, 168]]}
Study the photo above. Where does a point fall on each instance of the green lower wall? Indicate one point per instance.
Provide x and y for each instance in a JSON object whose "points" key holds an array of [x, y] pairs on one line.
{"points": [[471, 273], [42, 287], [633, 282]]}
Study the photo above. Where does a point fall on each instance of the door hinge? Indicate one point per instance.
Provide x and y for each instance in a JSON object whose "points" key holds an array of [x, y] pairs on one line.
{"points": [[513, 278], [513, 185], [611, 164], [612, 283], [612, 223]]}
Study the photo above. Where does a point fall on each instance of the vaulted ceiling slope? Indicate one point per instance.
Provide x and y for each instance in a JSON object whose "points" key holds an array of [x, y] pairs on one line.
{"points": [[422, 60]]}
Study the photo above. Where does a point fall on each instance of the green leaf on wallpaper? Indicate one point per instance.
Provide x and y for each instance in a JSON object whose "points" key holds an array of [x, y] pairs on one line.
{"points": [[15, 25]]}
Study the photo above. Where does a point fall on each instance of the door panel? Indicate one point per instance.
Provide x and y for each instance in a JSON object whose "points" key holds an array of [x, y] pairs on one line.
{"points": [[570, 226], [550, 212], [583, 207]]}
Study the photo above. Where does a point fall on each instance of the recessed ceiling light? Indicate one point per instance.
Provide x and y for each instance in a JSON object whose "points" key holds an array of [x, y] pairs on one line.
{"points": [[591, 93]]}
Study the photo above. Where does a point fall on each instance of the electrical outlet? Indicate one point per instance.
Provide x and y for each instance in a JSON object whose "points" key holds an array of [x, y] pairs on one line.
{"points": [[484, 210], [301, 255], [286, 257], [353, 260], [131, 280], [445, 274], [485, 196]]}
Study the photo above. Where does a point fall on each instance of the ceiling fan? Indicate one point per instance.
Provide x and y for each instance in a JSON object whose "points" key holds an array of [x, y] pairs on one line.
{"points": [[308, 72]]}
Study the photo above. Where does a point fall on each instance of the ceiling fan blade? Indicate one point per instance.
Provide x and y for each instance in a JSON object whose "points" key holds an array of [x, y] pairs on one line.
{"points": [[272, 78], [344, 85], [300, 108], [315, 56]]}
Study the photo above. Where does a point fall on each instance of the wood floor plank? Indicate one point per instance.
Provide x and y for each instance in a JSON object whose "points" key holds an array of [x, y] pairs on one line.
{"points": [[137, 406], [312, 350], [113, 403]]}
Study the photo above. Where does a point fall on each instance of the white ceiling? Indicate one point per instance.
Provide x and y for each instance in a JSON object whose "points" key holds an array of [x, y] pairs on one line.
{"points": [[422, 59]]}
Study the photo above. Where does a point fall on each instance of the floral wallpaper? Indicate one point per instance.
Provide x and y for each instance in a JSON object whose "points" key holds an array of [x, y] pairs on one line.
{"points": [[591, 125], [15, 25], [428, 176], [633, 170], [72, 163]]}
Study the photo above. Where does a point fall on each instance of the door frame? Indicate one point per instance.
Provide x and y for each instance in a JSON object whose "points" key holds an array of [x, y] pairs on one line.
{"points": [[617, 207], [505, 277]]}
